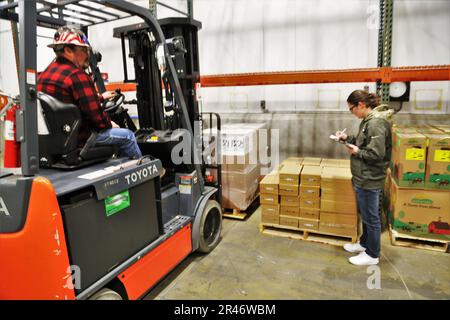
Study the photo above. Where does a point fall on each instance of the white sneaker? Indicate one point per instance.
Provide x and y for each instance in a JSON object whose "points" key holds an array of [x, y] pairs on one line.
{"points": [[354, 247], [363, 259]]}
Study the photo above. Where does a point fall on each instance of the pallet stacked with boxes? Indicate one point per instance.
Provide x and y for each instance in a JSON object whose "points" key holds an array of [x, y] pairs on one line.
{"points": [[240, 166], [338, 210], [418, 190], [304, 185]]}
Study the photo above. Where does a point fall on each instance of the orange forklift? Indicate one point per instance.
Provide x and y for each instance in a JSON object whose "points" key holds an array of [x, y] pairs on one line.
{"points": [[82, 223]]}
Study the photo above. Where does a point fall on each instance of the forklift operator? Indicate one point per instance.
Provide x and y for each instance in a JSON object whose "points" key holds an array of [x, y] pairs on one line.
{"points": [[66, 80]]}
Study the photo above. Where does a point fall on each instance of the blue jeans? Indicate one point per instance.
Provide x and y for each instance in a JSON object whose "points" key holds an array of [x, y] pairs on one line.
{"points": [[123, 138], [368, 206]]}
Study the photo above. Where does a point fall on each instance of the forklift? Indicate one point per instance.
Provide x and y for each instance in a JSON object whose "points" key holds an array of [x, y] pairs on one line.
{"points": [[79, 222]]}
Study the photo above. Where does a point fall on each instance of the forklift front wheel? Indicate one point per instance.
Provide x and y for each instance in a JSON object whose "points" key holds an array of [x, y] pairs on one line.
{"points": [[210, 226], [106, 294]]}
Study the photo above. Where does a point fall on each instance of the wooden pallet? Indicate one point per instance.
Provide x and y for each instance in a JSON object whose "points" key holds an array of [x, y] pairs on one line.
{"points": [[302, 234], [233, 213], [404, 240]]}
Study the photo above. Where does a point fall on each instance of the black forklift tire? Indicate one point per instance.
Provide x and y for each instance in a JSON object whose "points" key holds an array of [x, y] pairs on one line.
{"points": [[210, 227]]}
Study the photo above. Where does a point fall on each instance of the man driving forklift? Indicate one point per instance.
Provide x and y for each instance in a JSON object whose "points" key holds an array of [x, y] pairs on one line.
{"points": [[66, 80]]}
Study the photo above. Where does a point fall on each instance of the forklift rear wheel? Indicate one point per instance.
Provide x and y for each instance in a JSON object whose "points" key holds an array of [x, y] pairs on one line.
{"points": [[106, 294], [210, 226]]}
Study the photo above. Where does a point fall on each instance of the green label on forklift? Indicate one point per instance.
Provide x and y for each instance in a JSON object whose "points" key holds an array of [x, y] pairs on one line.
{"points": [[116, 203]]}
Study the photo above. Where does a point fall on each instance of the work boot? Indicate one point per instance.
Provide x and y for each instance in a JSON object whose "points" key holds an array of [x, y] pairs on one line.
{"points": [[363, 259], [354, 247]]}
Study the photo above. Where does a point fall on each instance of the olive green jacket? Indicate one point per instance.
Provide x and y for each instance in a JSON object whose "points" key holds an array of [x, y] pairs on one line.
{"points": [[375, 146]]}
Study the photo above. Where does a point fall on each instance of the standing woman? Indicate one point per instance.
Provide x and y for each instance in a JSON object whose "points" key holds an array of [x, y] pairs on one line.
{"points": [[370, 152]]}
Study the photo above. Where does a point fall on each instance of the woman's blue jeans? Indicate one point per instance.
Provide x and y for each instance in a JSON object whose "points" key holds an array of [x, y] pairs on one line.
{"points": [[368, 206]]}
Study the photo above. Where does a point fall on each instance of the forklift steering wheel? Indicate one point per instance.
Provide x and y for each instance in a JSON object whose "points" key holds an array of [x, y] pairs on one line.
{"points": [[112, 105]]}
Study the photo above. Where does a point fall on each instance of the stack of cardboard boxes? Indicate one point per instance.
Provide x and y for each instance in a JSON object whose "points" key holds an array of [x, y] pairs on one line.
{"points": [[338, 210], [269, 198], [418, 191], [289, 190], [310, 197], [240, 166]]}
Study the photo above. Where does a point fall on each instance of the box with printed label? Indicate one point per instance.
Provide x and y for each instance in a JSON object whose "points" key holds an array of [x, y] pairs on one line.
{"points": [[308, 224], [311, 176], [309, 192], [291, 201], [268, 198], [335, 229], [269, 184], [437, 173], [288, 189], [408, 159], [270, 214], [290, 174], [289, 211], [310, 203], [419, 213], [308, 213], [289, 221]]}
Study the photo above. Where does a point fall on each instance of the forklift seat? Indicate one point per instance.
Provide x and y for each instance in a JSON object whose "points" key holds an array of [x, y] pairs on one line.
{"points": [[58, 127]]}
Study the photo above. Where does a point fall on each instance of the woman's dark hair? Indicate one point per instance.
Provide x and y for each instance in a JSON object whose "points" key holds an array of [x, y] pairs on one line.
{"points": [[370, 99]]}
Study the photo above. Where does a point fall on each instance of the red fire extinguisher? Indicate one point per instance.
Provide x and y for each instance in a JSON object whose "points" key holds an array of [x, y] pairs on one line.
{"points": [[12, 147]]}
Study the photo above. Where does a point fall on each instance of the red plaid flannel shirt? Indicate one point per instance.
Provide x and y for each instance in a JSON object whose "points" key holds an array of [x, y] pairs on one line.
{"points": [[70, 84]]}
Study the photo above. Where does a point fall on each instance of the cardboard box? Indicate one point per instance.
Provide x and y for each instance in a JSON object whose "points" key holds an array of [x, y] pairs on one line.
{"points": [[311, 214], [333, 229], [268, 198], [437, 173], [408, 159], [330, 163], [238, 198], [296, 161], [308, 224], [338, 206], [311, 176], [237, 163], [291, 201], [288, 190], [310, 203], [419, 213], [311, 161], [290, 174], [289, 211], [337, 179], [270, 214], [337, 195], [344, 163], [289, 221], [269, 184], [240, 180], [344, 220], [273, 210], [309, 192]]}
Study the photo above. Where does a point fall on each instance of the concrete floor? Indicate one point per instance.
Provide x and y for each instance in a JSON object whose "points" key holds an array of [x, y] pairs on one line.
{"points": [[249, 265]]}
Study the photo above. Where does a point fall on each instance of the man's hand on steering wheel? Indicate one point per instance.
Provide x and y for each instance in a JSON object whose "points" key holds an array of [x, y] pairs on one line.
{"points": [[116, 99], [108, 95]]}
